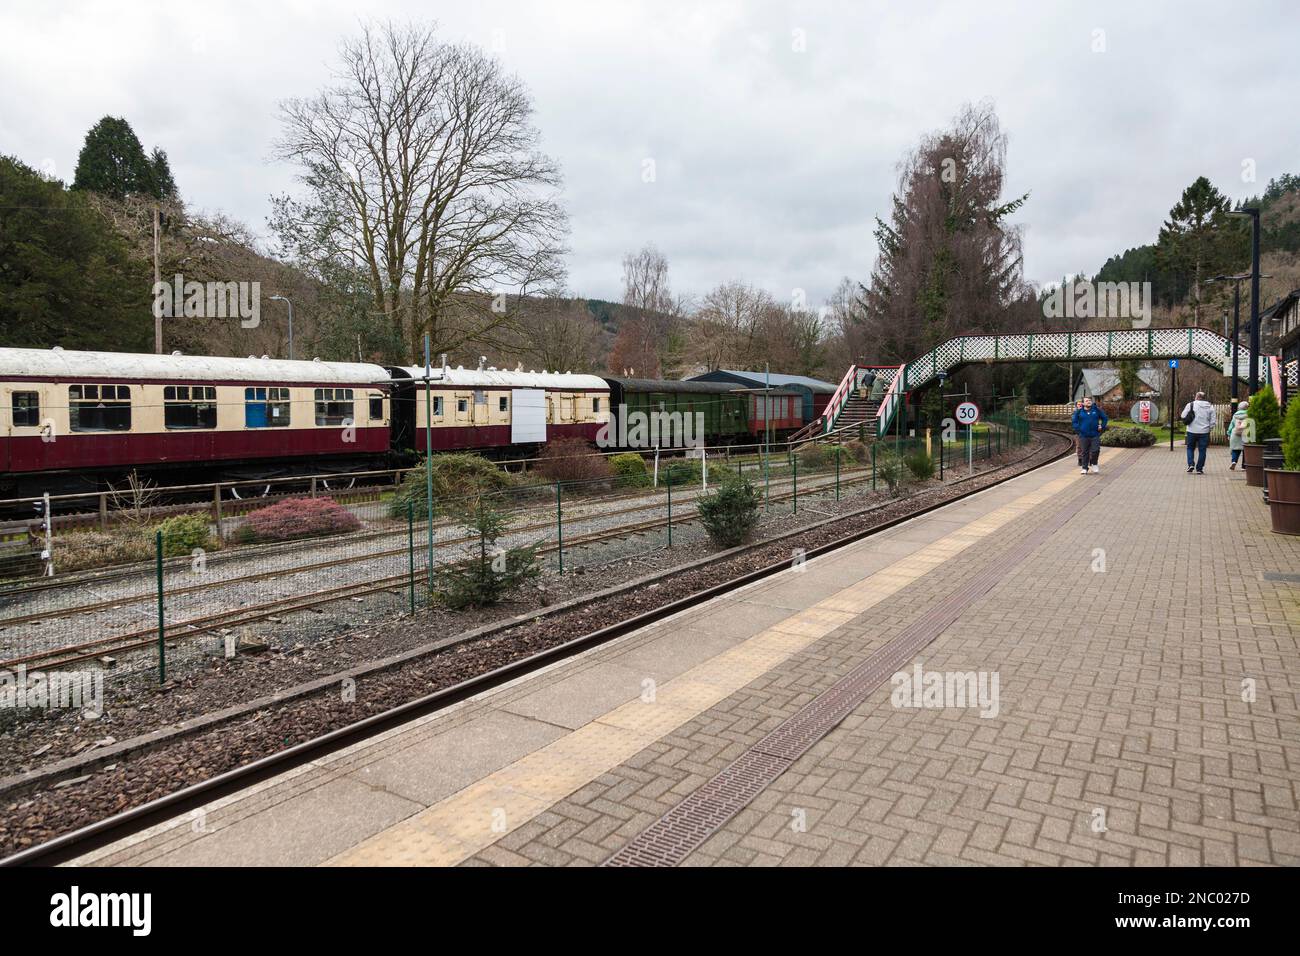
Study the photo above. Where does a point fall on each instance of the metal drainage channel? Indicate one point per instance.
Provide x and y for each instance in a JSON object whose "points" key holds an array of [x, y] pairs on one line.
{"points": [[68, 846], [671, 838]]}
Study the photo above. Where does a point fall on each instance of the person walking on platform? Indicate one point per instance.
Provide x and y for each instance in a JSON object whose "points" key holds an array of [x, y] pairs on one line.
{"points": [[1075, 438], [1198, 416], [1237, 433], [1088, 423]]}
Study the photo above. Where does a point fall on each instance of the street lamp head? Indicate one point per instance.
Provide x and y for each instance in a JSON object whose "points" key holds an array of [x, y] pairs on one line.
{"points": [[278, 298]]}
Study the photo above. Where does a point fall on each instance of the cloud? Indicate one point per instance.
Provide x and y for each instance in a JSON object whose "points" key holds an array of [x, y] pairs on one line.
{"points": [[775, 128]]}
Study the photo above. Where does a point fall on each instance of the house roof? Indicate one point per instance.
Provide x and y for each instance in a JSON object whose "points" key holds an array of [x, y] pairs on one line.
{"points": [[1099, 381], [1283, 311], [815, 385]]}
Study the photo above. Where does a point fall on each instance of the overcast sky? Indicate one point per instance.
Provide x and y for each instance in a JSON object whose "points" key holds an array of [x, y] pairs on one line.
{"points": [[775, 128]]}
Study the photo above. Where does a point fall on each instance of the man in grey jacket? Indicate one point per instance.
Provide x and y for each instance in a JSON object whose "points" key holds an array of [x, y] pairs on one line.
{"points": [[1198, 431]]}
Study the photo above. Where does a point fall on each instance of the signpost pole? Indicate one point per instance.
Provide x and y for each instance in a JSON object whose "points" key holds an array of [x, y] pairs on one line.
{"points": [[1173, 390], [428, 467]]}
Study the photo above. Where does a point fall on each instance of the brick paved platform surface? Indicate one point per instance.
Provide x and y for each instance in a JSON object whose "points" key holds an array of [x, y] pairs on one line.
{"points": [[1140, 670]]}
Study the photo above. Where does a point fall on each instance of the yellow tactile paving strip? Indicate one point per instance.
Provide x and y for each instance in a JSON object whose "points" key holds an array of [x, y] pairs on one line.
{"points": [[477, 816]]}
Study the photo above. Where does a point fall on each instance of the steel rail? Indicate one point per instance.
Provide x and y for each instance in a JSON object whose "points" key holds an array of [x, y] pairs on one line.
{"points": [[76, 843]]}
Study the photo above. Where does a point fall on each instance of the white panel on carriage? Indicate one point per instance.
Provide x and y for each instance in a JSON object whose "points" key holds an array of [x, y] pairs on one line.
{"points": [[527, 415]]}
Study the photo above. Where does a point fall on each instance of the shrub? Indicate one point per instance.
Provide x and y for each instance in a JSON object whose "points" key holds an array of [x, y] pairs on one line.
{"points": [[813, 456], [456, 477], [1291, 435], [489, 576], [730, 513], [297, 518], [1124, 437], [1265, 413], [81, 550], [892, 471], [571, 459], [683, 471], [920, 464], [181, 534], [630, 470], [859, 451]]}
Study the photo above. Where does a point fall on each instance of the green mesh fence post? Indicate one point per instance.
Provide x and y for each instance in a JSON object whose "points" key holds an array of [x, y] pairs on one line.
{"points": [[162, 637], [873, 466], [837, 472], [559, 525], [410, 549], [794, 481], [669, 485]]}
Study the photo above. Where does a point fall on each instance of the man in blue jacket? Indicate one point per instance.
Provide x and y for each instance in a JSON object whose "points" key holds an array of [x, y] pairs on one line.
{"points": [[1088, 423]]}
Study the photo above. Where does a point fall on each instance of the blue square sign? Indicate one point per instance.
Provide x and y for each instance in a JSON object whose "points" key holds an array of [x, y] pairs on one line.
{"points": [[1173, 363]]}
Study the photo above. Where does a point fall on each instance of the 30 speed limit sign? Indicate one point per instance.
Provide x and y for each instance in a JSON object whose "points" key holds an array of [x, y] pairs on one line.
{"points": [[968, 413]]}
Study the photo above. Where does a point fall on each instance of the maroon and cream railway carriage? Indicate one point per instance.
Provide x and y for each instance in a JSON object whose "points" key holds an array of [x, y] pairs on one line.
{"points": [[70, 421], [487, 408]]}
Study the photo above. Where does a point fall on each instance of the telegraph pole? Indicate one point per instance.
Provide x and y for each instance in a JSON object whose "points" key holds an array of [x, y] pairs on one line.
{"points": [[157, 277]]}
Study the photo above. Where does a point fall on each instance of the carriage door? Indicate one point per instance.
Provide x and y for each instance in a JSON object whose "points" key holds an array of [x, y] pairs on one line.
{"points": [[527, 415], [6, 434]]}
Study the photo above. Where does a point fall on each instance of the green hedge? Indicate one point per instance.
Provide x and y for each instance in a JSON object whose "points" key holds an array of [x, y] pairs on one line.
{"points": [[630, 470], [1124, 437]]}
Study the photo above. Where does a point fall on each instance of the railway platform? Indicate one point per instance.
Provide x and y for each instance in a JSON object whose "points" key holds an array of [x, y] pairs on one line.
{"points": [[1061, 669]]}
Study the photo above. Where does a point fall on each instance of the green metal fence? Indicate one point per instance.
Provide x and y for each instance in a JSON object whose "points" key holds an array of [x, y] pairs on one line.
{"points": [[170, 598]]}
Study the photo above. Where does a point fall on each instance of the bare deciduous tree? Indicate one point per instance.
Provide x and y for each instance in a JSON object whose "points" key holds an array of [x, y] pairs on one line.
{"points": [[645, 281], [728, 326], [422, 171], [559, 334]]}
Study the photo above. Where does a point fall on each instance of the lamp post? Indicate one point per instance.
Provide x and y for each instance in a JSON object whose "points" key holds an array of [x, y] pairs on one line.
{"points": [[1236, 321], [280, 298], [1252, 382]]}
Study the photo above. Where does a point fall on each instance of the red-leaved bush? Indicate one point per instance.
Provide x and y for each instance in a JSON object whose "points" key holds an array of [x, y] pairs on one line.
{"points": [[571, 459], [298, 518]]}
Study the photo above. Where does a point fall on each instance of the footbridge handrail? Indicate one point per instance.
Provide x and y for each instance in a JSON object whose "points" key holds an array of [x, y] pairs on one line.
{"points": [[1202, 345], [842, 392]]}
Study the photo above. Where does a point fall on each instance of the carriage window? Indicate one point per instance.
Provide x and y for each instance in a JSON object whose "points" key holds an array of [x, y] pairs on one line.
{"points": [[462, 405], [334, 406], [190, 406], [437, 407], [99, 408], [376, 409], [27, 409], [266, 407], [503, 403], [595, 404]]}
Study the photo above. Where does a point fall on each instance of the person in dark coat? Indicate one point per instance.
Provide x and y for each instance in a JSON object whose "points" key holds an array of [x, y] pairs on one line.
{"points": [[1088, 424]]}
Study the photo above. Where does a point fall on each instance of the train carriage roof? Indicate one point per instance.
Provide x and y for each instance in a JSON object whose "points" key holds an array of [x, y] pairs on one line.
{"points": [[65, 365], [504, 378], [776, 379], [690, 386]]}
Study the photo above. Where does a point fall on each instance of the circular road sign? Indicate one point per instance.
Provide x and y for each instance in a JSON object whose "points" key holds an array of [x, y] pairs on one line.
{"points": [[1145, 412], [968, 413]]}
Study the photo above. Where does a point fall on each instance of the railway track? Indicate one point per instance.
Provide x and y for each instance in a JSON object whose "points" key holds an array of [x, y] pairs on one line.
{"points": [[118, 825], [142, 638], [126, 572]]}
